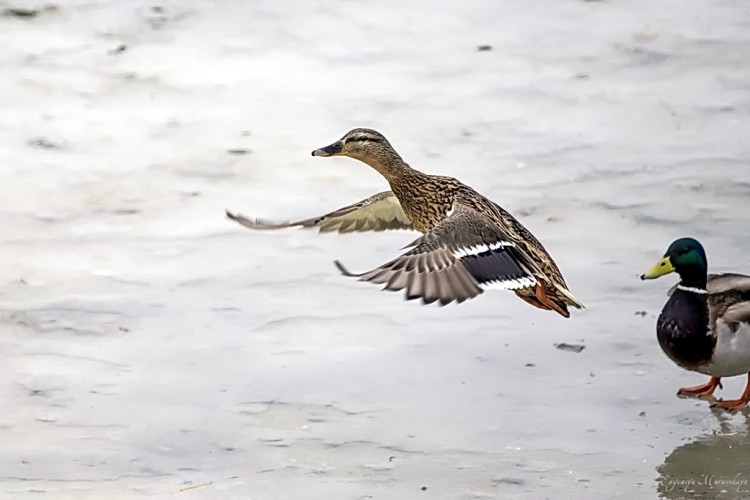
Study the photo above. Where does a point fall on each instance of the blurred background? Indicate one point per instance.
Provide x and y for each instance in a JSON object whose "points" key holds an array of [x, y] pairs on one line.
{"points": [[152, 348]]}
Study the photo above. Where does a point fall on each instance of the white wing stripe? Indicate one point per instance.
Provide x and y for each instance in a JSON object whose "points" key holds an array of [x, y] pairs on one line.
{"points": [[511, 284], [481, 248]]}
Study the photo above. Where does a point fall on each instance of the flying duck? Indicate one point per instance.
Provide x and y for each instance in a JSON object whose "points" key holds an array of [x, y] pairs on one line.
{"points": [[469, 243]]}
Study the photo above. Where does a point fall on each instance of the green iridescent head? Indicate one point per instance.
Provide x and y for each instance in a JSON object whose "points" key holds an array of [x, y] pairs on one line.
{"points": [[686, 257]]}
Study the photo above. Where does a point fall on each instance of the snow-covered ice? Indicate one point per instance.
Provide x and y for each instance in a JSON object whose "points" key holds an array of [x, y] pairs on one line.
{"points": [[151, 348]]}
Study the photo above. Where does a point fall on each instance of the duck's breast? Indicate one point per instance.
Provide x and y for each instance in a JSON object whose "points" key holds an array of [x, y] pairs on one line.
{"points": [[682, 330]]}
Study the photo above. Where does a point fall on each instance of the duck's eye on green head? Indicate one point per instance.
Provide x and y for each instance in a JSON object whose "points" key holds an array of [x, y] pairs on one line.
{"points": [[686, 252]]}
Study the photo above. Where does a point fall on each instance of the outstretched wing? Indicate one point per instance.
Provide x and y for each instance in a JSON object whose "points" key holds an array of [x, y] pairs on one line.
{"points": [[455, 261], [377, 213]]}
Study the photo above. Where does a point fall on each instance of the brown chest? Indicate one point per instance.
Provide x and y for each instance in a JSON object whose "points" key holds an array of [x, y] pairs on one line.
{"points": [[425, 208]]}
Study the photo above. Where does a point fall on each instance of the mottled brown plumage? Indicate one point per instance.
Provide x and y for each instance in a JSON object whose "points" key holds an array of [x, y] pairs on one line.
{"points": [[469, 242]]}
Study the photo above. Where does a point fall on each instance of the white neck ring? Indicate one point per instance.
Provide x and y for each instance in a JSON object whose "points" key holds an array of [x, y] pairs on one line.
{"points": [[691, 289]]}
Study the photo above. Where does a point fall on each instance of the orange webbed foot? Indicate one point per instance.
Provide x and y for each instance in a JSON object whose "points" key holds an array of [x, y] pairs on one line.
{"points": [[731, 404], [706, 389], [541, 295], [735, 404]]}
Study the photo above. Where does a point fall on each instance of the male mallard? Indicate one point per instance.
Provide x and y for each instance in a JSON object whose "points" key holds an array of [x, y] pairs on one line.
{"points": [[469, 242], [705, 324]]}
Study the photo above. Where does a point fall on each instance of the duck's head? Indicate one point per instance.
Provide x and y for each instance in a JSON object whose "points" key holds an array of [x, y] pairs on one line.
{"points": [[364, 144], [684, 256]]}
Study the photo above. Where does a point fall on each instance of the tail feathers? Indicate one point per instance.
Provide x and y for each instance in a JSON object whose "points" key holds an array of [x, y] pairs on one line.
{"points": [[569, 297]]}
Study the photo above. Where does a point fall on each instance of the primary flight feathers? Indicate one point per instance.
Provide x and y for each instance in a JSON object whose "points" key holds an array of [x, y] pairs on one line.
{"points": [[376, 213]]}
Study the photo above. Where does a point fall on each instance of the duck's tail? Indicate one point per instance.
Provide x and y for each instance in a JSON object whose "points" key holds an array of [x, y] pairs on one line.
{"points": [[557, 299], [550, 296], [569, 298]]}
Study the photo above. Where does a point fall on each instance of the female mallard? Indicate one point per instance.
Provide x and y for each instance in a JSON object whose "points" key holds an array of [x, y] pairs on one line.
{"points": [[705, 324], [469, 242]]}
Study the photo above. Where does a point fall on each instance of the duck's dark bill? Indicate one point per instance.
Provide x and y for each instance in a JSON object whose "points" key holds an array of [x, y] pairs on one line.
{"points": [[664, 266], [331, 150]]}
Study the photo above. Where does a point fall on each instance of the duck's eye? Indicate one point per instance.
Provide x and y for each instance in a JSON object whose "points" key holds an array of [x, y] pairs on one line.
{"points": [[364, 138]]}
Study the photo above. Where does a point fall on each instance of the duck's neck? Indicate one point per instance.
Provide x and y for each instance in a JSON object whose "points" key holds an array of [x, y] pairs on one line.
{"points": [[693, 277], [390, 165]]}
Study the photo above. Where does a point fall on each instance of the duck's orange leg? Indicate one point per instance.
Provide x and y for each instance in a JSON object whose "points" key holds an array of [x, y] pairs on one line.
{"points": [[736, 404], [532, 300], [702, 390], [541, 295]]}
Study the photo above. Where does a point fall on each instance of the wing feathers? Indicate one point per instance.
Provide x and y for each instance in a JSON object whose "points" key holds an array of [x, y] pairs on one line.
{"points": [[376, 213], [720, 283], [453, 262], [738, 313]]}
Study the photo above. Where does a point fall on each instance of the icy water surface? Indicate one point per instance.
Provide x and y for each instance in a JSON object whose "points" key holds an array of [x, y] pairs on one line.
{"points": [[150, 348]]}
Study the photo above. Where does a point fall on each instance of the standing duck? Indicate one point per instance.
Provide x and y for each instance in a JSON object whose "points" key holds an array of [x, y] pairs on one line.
{"points": [[705, 324], [469, 243]]}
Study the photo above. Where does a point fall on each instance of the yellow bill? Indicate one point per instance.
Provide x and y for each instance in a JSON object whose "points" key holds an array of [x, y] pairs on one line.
{"points": [[664, 266]]}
